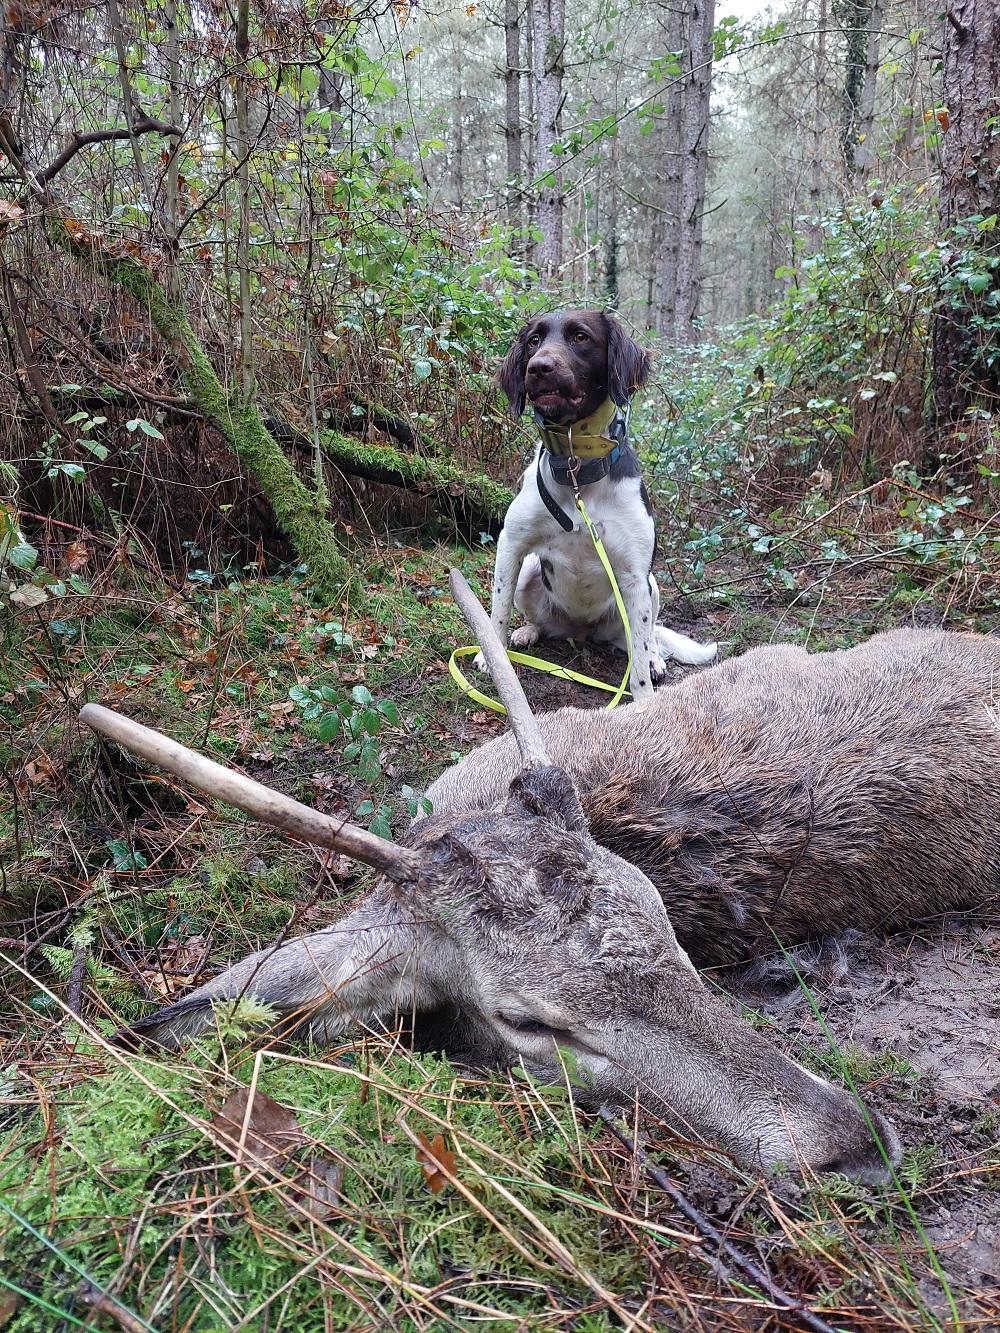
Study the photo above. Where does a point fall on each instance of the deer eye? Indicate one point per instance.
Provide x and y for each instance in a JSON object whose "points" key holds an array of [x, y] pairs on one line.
{"points": [[530, 1027]]}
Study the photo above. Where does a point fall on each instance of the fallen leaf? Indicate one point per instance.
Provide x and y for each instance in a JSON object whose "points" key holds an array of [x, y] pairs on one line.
{"points": [[29, 595], [273, 1132], [436, 1161], [76, 557]]}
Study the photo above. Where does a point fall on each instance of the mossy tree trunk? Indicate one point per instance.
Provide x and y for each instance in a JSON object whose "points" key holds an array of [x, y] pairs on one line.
{"points": [[298, 511]]}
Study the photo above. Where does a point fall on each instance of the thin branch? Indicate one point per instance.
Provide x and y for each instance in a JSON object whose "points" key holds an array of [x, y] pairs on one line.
{"points": [[746, 1266], [144, 125]]}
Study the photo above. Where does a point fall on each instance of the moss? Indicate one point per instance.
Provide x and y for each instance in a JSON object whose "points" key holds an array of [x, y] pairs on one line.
{"points": [[299, 513], [427, 476], [145, 1202]]}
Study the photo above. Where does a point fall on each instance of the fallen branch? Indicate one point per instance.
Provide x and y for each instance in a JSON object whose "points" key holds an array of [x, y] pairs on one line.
{"points": [[722, 1246], [477, 502]]}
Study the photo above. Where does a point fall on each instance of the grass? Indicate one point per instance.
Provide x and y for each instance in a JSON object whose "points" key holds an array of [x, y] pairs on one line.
{"points": [[543, 1220]]}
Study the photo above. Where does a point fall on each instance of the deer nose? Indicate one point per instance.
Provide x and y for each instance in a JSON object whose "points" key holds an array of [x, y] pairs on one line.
{"points": [[869, 1154]]}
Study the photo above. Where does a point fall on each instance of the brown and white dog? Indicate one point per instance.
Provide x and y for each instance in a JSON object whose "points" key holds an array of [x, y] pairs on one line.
{"points": [[578, 369]]}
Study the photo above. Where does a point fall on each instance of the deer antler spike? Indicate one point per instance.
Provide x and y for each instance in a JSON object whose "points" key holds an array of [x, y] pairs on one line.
{"points": [[523, 723], [271, 807]]}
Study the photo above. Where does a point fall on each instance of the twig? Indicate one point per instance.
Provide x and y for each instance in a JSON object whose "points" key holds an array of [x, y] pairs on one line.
{"points": [[105, 1304], [711, 1233]]}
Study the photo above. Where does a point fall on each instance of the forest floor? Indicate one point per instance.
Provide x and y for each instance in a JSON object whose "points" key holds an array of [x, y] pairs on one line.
{"points": [[410, 1197]]}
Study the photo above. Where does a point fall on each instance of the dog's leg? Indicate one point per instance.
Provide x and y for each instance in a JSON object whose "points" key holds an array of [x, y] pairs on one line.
{"points": [[657, 666], [511, 553], [638, 606]]}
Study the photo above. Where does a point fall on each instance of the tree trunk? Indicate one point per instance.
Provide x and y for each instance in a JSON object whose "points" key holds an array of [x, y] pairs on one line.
{"points": [[970, 188], [816, 163], [612, 242], [243, 195], [666, 223], [864, 152], [549, 39], [295, 508], [694, 168], [512, 117]]}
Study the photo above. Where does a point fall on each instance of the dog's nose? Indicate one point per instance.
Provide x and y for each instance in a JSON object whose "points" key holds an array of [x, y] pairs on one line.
{"points": [[541, 364]]}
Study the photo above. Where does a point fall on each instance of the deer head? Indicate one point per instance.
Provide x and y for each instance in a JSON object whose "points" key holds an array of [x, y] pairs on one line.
{"points": [[512, 936]]}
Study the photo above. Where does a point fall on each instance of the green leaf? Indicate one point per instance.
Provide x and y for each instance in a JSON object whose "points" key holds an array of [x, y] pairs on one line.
{"points": [[361, 695], [140, 423], [422, 369], [22, 556], [389, 711], [329, 726], [380, 825], [977, 283], [365, 808]]}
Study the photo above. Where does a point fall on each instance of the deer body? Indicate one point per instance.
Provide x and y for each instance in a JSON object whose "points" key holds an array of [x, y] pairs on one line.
{"points": [[786, 794], [534, 911]]}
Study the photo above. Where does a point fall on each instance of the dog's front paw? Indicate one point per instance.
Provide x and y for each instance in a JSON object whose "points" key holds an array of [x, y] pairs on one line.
{"points": [[657, 670], [479, 664], [526, 636]]}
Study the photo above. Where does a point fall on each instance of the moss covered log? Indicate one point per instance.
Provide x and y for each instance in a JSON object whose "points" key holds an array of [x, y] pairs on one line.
{"points": [[299, 512], [476, 502]]}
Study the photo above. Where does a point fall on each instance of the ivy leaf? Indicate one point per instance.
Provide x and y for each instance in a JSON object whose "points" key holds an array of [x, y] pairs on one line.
{"points": [[22, 556]]}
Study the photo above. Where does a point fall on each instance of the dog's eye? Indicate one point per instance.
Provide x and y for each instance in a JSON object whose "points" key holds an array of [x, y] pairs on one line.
{"points": [[534, 340], [581, 337]]}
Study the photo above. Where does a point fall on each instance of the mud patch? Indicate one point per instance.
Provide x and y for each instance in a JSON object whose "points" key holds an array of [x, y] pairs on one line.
{"points": [[934, 999]]}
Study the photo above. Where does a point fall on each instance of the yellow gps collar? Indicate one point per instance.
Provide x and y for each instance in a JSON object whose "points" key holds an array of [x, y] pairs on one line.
{"points": [[593, 437]]}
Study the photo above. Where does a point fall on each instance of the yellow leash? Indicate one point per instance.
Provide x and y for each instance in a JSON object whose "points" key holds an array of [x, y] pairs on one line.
{"points": [[550, 668]]}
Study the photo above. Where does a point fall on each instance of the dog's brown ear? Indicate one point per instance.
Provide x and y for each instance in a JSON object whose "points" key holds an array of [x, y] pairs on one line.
{"points": [[510, 376], [629, 364]]}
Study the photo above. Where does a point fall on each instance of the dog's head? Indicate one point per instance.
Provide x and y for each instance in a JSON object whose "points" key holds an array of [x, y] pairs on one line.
{"points": [[566, 364]]}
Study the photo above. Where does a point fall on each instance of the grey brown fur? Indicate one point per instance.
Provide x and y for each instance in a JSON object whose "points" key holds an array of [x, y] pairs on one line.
{"points": [[785, 791]]}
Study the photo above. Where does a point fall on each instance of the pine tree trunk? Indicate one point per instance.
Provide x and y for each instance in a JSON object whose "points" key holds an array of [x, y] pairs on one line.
{"points": [[512, 117], [816, 163], [666, 223], [549, 37], [970, 187], [694, 167]]}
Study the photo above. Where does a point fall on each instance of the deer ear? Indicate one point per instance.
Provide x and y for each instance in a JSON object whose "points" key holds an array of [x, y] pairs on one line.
{"points": [[547, 793], [628, 363], [510, 376]]}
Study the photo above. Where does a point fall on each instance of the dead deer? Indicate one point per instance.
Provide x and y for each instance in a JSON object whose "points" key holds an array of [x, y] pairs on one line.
{"points": [[532, 916]]}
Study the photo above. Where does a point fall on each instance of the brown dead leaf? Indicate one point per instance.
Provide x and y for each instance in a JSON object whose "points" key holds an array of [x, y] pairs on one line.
{"points": [[436, 1161], [273, 1132], [40, 771], [9, 1303], [76, 557], [9, 211], [181, 965]]}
